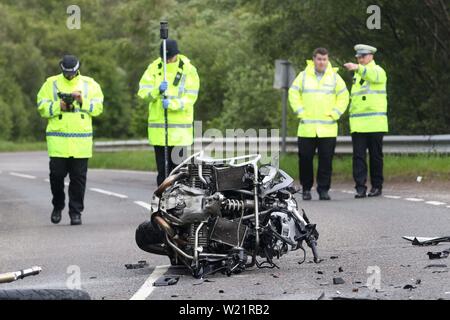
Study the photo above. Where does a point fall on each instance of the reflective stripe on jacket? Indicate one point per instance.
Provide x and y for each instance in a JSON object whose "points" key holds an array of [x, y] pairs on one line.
{"points": [[368, 109], [318, 103], [182, 95], [69, 134]]}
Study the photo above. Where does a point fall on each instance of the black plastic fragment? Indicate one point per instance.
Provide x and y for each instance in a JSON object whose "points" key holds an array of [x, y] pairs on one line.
{"points": [[141, 264], [165, 281], [337, 281]]}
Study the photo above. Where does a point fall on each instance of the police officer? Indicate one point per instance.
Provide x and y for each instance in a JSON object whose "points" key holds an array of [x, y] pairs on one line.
{"points": [[319, 97], [368, 120], [178, 95], [69, 101]]}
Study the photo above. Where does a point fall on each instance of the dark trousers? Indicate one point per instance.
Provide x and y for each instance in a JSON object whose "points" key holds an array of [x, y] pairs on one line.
{"points": [[306, 151], [160, 161], [374, 143], [77, 170]]}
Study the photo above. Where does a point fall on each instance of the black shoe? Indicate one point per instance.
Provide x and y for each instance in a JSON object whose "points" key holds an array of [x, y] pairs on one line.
{"points": [[375, 192], [323, 195], [56, 216], [75, 219], [360, 194], [307, 195]]}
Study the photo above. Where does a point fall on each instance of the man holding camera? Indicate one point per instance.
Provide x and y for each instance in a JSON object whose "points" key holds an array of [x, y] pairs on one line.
{"points": [[69, 101]]}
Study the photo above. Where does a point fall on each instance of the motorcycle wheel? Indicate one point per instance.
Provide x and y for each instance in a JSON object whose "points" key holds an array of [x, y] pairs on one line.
{"points": [[150, 239]]}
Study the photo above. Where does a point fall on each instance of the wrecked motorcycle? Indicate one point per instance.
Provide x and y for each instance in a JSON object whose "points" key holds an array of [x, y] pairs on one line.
{"points": [[226, 215]]}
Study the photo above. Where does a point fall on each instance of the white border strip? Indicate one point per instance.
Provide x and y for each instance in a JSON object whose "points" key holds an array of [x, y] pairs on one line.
{"points": [[21, 175], [144, 205], [109, 193], [147, 288]]}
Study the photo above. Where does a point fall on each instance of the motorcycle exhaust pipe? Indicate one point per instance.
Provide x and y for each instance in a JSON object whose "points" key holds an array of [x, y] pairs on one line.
{"points": [[162, 223]]}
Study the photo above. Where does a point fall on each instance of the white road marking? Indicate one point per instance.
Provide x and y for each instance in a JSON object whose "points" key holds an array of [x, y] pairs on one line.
{"points": [[109, 193], [144, 204], [21, 175], [147, 288], [435, 203], [414, 199], [47, 180], [392, 197]]}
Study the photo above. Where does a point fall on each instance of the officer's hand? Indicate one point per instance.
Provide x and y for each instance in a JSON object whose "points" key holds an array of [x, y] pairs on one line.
{"points": [[63, 105], [163, 87], [77, 96], [165, 104], [351, 66]]}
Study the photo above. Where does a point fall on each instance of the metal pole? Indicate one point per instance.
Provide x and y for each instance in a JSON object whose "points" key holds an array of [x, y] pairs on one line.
{"points": [[285, 93], [164, 35], [284, 120]]}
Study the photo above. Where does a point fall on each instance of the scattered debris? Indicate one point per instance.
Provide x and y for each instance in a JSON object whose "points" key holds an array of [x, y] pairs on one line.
{"points": [[165, 281], [338, 292], [340, 269], [405, 266], [350, 298], [418, 281], [423, 241], [355, 290], [221, 291], [324, 284], [334, 257], [357, 282], [202, 281], [409, 287], [439, 255], [435, 266], [141, 264], [174, 296], [275, 276], [92, 278], [338, 281], [321, 296], [319, 272]]}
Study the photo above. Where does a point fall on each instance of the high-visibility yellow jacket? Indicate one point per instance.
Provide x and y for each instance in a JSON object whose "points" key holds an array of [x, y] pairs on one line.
{"points": [[368, 108], [318, 104], [182, 92], [69, 134]]}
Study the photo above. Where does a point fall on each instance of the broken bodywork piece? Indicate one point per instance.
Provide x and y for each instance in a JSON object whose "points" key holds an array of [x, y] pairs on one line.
{"points": [[423, 241]]}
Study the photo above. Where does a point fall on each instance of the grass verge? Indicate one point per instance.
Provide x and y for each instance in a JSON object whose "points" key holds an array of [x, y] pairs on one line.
{"points": [[396, 168], [12, 146]]}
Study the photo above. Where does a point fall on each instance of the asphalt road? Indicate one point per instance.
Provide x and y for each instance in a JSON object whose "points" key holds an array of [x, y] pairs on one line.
{"points": [[359, 240]]}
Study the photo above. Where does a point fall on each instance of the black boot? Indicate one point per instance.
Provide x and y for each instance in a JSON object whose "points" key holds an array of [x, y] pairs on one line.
{"points": [[323, 195], [56, 216], [306, 195], [360, 194], [75, 219], [375, 192]]}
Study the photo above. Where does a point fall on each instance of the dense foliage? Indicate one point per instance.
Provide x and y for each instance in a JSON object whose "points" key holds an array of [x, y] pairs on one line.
{"points": [[234, 44]]}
